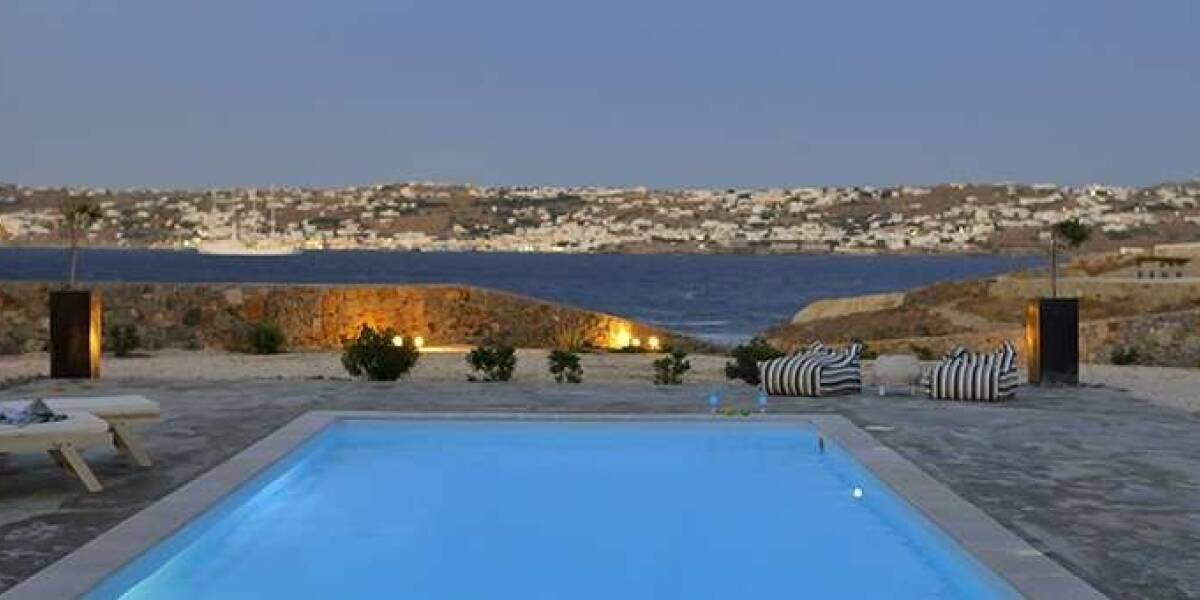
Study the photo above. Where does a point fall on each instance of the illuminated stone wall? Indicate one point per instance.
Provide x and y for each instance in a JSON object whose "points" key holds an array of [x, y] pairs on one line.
{"points": [[220, 316]]}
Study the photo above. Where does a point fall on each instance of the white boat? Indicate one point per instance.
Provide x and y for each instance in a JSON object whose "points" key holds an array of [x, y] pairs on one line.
{"points": [[243, 248], [256, 247]]}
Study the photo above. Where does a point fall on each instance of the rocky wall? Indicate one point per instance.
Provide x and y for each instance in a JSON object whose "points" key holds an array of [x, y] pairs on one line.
{"points": [[221, 316], [1148, 292], [1163, 339]]}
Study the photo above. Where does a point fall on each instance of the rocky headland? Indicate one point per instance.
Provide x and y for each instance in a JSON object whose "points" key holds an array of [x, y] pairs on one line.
{"points": [[1130, 321]]}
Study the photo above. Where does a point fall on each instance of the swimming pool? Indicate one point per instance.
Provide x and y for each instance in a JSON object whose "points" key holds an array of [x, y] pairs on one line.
{"points": [[505, 509], [378, 504]]}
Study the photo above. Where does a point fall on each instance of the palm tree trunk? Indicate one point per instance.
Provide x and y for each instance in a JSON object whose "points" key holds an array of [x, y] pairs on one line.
{"points": [[1053, 265], [74, 258]]}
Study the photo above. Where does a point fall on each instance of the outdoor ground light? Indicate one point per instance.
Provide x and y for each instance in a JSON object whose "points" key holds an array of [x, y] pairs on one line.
{"points": [[652, 342], [418, 342], [398, 341], [762, 402], [713, 401], [857, 493]]}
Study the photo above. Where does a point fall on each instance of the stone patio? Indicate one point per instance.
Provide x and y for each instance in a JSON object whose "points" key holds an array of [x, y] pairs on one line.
{"points": [[1107, 485]]}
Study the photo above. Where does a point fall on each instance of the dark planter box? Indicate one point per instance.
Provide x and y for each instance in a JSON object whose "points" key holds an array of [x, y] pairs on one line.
{"points": [[75, 334], [1052, 341]]}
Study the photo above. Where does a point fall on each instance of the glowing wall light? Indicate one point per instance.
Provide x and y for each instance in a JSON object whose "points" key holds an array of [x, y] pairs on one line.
{"points": [[653, 343], [619, 335], [418, 342]]}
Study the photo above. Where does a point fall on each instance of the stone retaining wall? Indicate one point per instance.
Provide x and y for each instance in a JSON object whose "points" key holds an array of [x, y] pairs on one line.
{"points": [[1164, 339], [1147, 292], [220, 316]]}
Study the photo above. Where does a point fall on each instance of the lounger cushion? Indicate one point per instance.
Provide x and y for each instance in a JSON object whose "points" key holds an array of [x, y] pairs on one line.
{"points": [[110, 407], [78, 428]]}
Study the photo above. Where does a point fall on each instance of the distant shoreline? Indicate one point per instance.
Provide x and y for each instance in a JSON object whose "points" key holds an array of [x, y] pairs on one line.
{"points": [[711, 296], [666, 251]]}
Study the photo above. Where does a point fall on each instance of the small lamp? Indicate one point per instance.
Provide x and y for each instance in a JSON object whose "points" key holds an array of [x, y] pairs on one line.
{"points": [[398, 341], [714, 401]]}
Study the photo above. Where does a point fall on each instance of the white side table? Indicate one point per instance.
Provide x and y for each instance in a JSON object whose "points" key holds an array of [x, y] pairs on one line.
{"points": [[897, 371]]}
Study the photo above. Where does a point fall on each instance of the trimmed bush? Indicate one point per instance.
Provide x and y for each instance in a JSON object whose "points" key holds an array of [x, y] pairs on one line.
{"points": [[669, 369], [1124, 356], [374, 355], [564, 366], [123, 340], [492, 363], [266, 338], [746, 357]]}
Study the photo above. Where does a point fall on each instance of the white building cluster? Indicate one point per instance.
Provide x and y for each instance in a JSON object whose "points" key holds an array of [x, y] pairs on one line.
{"points": [[454, 217]]}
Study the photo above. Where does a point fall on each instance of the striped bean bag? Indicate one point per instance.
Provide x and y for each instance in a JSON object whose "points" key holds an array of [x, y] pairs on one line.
{"points": [[817, 371], [969, 376]]}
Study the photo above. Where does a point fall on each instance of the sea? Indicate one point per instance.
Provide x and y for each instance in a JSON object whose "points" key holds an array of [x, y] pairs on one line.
{"points": [[724, 299]]}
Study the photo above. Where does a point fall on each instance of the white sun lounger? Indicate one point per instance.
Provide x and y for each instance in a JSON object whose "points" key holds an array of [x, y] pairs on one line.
{"points": [[63, 440], [122, 413]]}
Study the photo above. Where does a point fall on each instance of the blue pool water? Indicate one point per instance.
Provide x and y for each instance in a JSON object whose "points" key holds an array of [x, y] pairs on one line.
{"points": [[532, 510]]}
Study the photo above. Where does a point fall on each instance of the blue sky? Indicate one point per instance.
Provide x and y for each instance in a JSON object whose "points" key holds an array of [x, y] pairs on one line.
{"points": [[659, 93]]}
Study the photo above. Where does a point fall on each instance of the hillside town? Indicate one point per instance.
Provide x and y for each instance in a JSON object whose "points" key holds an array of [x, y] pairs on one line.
{"points": [[962, 218]]}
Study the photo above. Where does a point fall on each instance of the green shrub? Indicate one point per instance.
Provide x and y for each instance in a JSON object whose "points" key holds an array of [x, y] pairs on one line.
{"points": [[123, 340], [1124, 356], [746, 357], [492, 363], [373, 354], [1072, 232], [266, 338], [669, 369], [564, 366], [193, 317]]}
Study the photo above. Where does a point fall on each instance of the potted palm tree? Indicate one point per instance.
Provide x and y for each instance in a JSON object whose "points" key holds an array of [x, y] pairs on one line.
{"points": [[1052, 324], [75, 314]]}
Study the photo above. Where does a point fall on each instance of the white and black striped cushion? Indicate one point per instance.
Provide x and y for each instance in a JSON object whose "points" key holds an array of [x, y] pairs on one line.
{"points": [[979, 377], [817, 372]]}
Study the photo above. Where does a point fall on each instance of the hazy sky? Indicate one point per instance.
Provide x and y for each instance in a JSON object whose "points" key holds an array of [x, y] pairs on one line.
{"points": [[668, 93]]}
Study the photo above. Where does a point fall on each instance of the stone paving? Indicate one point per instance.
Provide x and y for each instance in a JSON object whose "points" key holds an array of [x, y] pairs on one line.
{"points": [[1105, 484]]}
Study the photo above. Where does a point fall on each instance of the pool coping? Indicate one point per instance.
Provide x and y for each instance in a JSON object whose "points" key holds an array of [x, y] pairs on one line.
{"points": [[1027, 570]]}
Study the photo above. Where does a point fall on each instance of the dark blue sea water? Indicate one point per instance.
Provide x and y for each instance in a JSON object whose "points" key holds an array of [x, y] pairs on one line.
{"points": [[722, 298]]}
